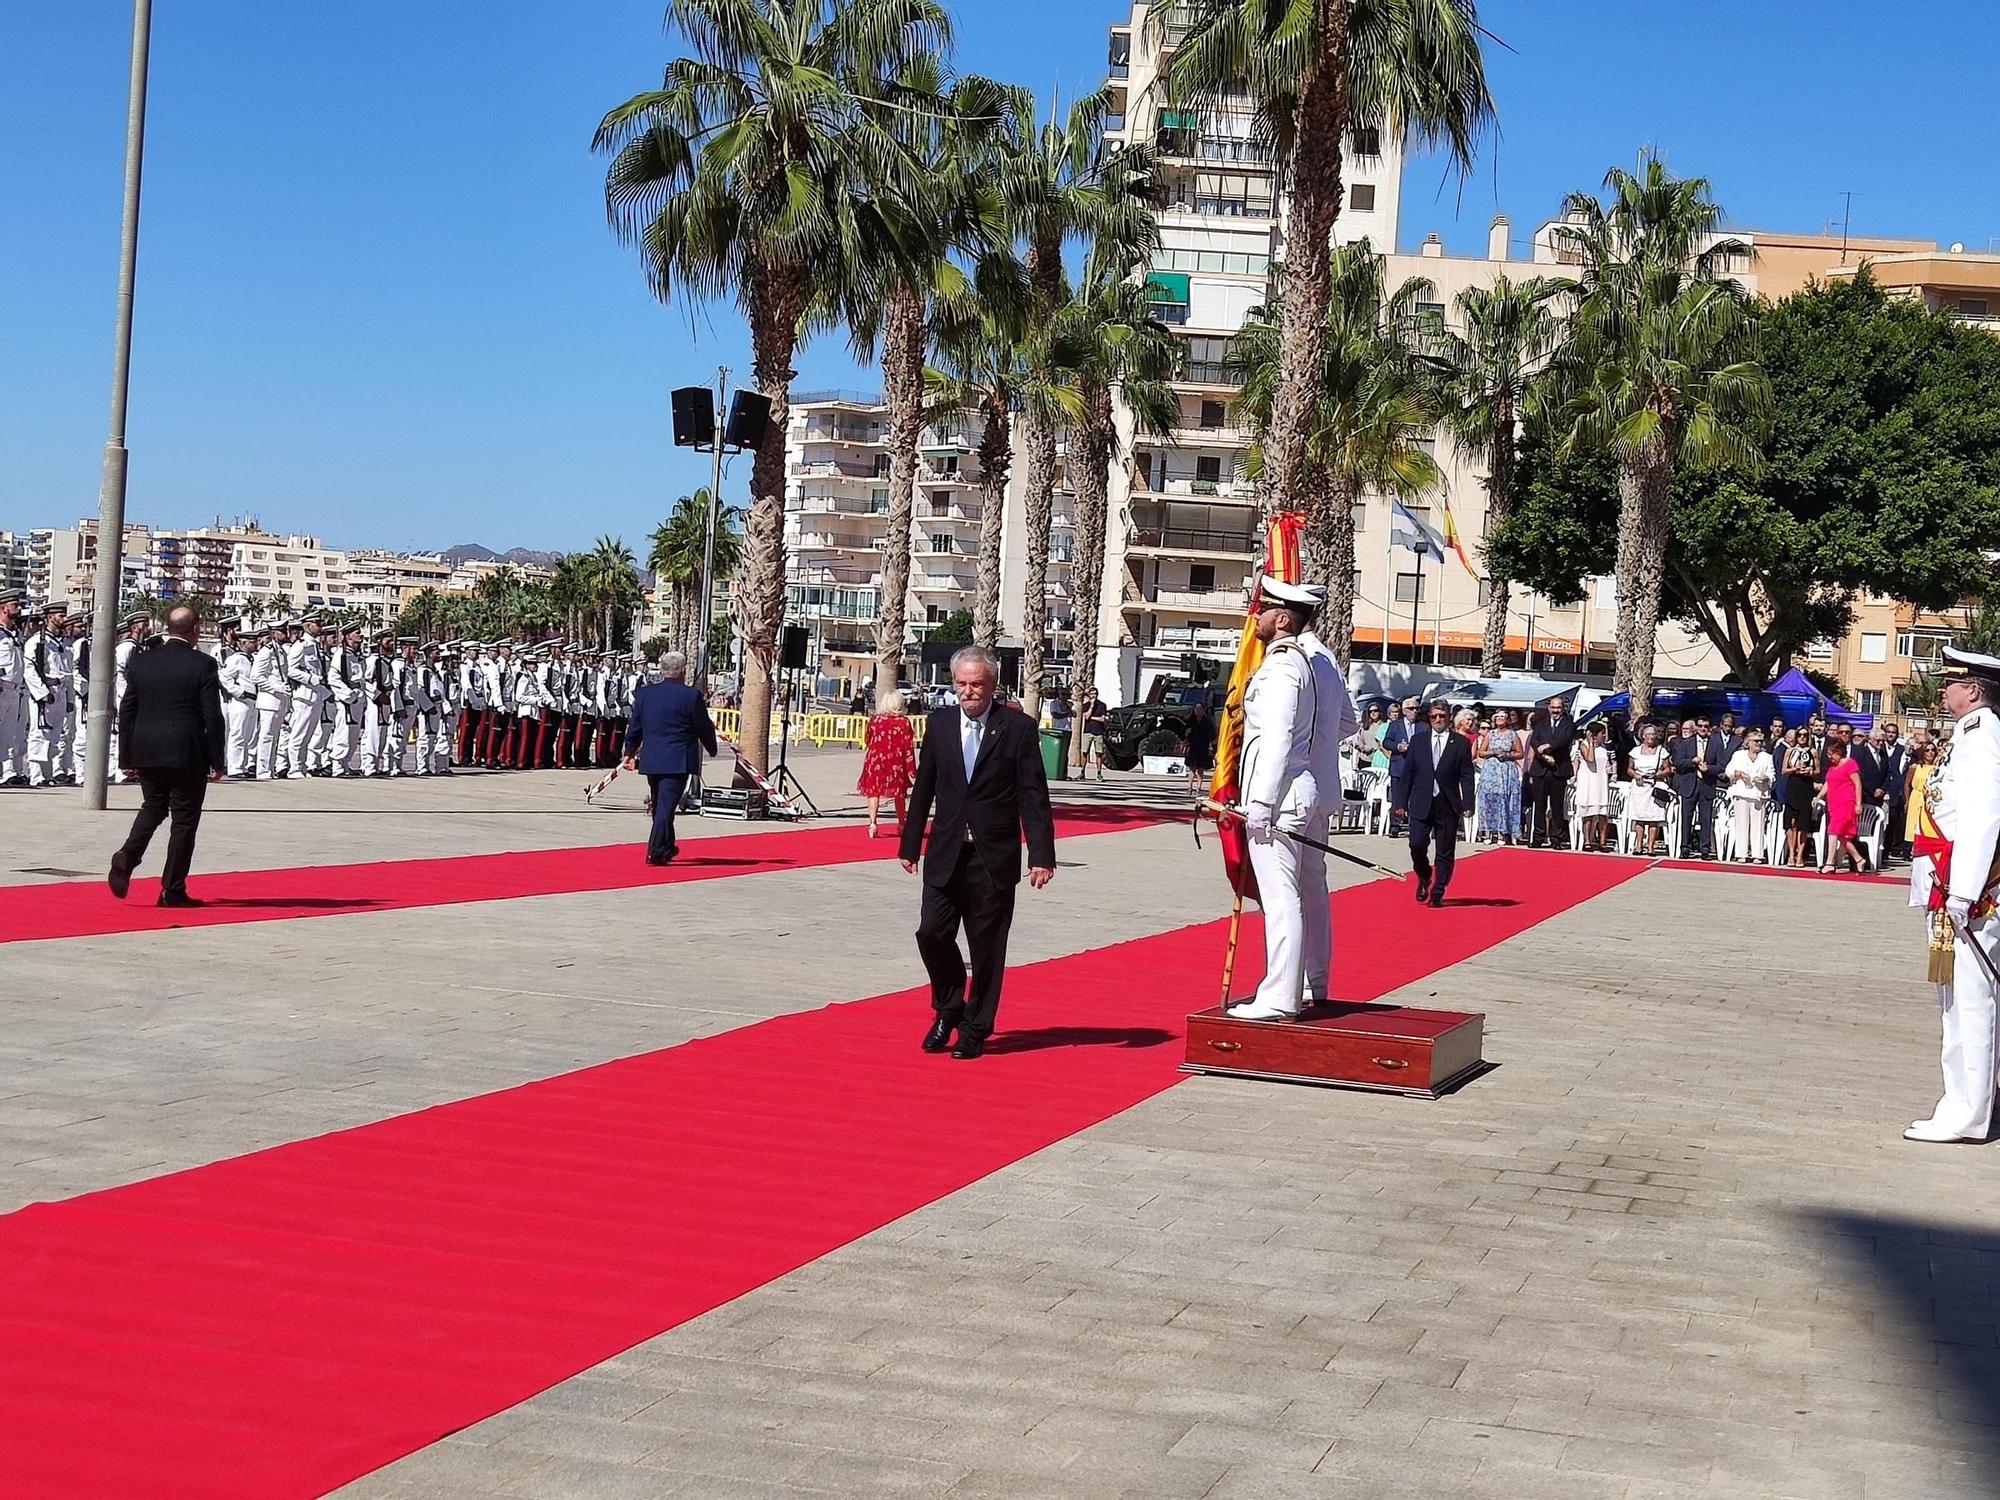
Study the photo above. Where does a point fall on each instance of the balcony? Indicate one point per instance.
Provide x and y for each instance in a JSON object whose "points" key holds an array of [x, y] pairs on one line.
{"points": [[845, 505], [1187, 638], [831, 541], [1211, 372], [1171, 313], [1186, 484], [931, 582], [1198, 435], [1204, 601], [834, 468], [824, 573], [1192, 539], [825, 432]]}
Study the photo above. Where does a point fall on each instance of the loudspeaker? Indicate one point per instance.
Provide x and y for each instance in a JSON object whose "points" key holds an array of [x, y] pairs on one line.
{"points": [[749, 415], [793, 651], [694, 417]]}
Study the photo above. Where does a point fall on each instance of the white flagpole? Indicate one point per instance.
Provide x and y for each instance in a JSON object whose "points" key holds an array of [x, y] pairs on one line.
{"points": [[1437, 631], [1388, 574]]}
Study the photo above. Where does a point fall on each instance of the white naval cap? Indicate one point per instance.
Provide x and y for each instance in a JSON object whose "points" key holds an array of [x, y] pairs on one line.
{"points": [[1277, 591], [1959, 663]]}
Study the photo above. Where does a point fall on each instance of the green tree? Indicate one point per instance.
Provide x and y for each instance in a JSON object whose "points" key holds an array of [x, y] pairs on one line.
{"points": [[1062, 186], [1982, 625], [955, 629], [1120, 345], [1661, 372], [614, 587], [1313, 69], [1505, 336], [676, 557], [421, 613], [1880, 473], [1376, 402], [737, 178]]}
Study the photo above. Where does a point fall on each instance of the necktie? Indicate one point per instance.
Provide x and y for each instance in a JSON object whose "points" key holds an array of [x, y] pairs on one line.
{"points": [[972, 728]]}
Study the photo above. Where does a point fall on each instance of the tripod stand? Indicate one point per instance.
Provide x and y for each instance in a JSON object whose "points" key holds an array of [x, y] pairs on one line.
{"points": [[783, 780]]}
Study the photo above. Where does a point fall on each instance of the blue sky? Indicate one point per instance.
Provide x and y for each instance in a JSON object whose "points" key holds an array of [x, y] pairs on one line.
{"points": [[377, 296]]}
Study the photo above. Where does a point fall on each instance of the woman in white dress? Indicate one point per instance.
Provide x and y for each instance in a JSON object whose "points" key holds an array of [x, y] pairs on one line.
{"points": [[1592, 759], [1652, 773], [1749, 777]]}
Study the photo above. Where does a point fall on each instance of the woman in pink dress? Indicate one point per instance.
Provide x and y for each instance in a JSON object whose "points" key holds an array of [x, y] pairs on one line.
{"points": [[888, 761], [1843, 807]]}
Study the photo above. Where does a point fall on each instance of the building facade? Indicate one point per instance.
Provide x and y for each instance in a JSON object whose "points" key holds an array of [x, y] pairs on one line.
{"points": [[273, 575]]}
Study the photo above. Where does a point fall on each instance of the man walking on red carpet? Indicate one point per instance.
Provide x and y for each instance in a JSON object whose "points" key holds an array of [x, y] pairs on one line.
{"points": [[982, 767], [170, 734]]}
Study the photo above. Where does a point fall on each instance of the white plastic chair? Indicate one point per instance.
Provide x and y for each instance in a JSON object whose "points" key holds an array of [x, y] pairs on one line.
{"points": [[1873, 822]]}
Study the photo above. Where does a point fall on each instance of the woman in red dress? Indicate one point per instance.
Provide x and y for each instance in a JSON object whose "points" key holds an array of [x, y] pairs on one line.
{"points": [[888, 761], [1843, 808]]}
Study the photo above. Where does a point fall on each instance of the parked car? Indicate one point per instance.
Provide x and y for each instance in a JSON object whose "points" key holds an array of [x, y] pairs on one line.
{"points": [[1159, 725]]}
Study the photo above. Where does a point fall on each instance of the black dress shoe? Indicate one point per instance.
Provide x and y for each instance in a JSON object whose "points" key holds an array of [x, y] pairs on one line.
{"points": [[939, 1036], [969, 1047], [120, 878], [1436, 900], [1423, 892], [182, 900]]}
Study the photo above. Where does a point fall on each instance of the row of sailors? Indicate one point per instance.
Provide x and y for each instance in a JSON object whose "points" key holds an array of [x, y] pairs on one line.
{"points": [[299, 701]]}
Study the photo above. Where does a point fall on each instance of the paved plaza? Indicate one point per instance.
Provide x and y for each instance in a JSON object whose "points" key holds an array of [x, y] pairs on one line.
{"points": [[1672, 1246]]}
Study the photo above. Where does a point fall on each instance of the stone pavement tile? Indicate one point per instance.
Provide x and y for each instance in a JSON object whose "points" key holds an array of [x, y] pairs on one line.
{"points": [[726, 1455], [1476, 1441], [1260, 1446], [578, 1437], [1666, 1461], [591, 1396], [588, 1479], [1499, 1480], [1796, 1478], [872, 1474], [455, 1463], [1112, 1436]]}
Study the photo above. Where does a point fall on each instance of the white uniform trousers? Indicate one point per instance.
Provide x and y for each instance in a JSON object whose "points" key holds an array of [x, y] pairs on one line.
{"points": [[239, 735], [270, 734], [344, 747], [378, 732], [1298, 921], [447, 739], [429, 741], [14, 708], [48, 740], [301, 725], [1968, 1008]]}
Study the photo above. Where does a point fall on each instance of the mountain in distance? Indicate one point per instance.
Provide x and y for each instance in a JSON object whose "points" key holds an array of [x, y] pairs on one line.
{"points": [[473, 552]]}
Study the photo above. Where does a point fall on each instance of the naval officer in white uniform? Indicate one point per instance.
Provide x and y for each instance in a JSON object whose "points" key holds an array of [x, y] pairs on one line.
{"points": [[1959, 829], [1296, 713]]}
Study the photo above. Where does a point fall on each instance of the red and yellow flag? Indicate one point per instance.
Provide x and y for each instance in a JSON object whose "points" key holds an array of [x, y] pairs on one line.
{"points": [[1281, 561], [1451, 540]]}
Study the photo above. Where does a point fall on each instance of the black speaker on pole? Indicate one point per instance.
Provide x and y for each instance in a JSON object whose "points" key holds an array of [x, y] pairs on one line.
{"points": [[793, 652], [749, 415], [694, 417]]}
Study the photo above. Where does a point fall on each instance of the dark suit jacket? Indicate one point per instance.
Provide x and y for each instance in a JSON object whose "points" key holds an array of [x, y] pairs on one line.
{"points": [[1007, 798], [1559, 740], [171, 716], [1396, 735], [668, 724], [1454, 776], [1874, 770]]}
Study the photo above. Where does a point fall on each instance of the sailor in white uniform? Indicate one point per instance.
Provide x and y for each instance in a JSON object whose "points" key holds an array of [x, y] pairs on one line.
{"points": [[274, 699], [137, 628], [239, 702], [429, 704], [13, 692], [305, 673], [1296, 713], [46, 670], [1959, 830]]}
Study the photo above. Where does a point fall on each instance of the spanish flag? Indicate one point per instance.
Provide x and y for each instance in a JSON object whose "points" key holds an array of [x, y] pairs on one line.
{"points": [[1281, 561], [1451, 539]]}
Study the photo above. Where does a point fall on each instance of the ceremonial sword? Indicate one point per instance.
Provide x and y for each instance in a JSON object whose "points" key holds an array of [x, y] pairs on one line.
{"points": [[1964, 930], [1221, 810]]}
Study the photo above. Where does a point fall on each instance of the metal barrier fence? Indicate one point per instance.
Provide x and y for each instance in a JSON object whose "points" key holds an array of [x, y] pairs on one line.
{"points": [[813, 729]]}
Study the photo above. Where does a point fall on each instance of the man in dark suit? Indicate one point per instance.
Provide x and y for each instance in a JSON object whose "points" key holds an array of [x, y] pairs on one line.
{"points": [[1404, 726], [1439, 792], [1895, 754], [1549, 745], [982, 768], [170, 736], [668, 730], [1700, 757]]}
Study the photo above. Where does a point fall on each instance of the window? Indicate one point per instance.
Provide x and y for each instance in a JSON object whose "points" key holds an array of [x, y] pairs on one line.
{"points": [[1972, 307], [1869, 700], [1922, 645], [1820, 647], [1211, 413], [1485, 592], [1227, 262], [1233, 194], [1361, 197], [1409, 588], [1367, 140], [1208, 468], [1431, 314], [1874, 646], [1360, 516], [1201, 577], [1357, 583]]}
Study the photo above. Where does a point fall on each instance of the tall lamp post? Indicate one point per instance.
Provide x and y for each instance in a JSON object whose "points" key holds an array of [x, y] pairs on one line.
{"points": [[111, 487], [710, 521]]}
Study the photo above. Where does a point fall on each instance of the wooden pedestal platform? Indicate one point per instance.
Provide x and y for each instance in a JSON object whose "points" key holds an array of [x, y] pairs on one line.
{"points": [[1393, 1049]]}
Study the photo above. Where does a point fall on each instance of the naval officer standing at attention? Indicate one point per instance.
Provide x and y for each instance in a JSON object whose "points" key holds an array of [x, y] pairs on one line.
{"points": [[981, 768], [1957, 875], [1296, 713]]}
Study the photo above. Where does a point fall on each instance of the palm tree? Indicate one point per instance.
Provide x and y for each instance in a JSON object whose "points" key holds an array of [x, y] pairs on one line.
{"points": [[420, 614], [736, 178], [986, 372], [938, 202], [1661, 372], [1375, 403], [614, 583], [1121, 345], [1061, 185], [676, 558], [1313, 69], [1511, 330]]}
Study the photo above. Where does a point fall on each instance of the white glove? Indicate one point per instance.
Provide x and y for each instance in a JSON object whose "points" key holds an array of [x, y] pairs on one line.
{"points": [[1257, 823], [1959, 908]]}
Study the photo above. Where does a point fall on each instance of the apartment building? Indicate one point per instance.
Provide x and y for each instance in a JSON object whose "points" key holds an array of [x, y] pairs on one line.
{"points": [[836, 533], [385, 581], [198, 561], [15, 549], [1961, 282], [297, 570]]}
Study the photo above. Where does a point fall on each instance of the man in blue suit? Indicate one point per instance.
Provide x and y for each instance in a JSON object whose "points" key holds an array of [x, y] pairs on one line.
{"points": [[1439, 793], [669, 729]]}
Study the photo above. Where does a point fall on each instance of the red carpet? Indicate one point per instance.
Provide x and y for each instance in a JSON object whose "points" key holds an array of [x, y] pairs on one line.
{"points": [[86, 908], [1717, 867], [282, 1323]]}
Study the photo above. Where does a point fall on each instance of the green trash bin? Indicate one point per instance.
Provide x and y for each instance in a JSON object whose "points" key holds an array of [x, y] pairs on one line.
{"points": [[1055, 751]]}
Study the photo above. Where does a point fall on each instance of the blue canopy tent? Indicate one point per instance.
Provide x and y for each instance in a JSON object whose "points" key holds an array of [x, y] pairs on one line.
{"points": [[1796, 682], [1750, 706]]}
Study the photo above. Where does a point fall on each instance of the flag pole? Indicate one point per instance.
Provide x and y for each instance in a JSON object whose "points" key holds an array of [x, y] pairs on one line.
{"points": [[1388, 578], [1437, 630], [1416, 604]]}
